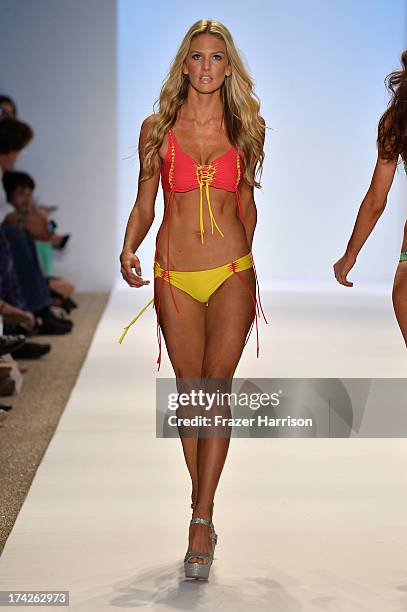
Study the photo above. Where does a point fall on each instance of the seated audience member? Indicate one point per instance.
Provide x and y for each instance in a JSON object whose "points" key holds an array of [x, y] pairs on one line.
{"points": [[33, 285], [18, 314], [19, 188], [14, 136], [14, 312], [8, 108]]}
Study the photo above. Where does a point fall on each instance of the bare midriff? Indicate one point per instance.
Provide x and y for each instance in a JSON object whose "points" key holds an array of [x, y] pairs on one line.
{"points": [[186, 251]]}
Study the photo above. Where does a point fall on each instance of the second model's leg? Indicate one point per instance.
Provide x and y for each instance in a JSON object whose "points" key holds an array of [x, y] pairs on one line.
{"points": [[400, 297]]}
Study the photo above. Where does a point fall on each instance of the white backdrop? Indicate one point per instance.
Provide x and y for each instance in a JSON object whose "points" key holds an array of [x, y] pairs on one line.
{"points": [[85, 74], [319, 69], [58, 61]]}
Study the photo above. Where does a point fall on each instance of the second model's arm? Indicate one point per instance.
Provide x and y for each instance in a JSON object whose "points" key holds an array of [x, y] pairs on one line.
{"points": [[371, 208], [141, 216]]}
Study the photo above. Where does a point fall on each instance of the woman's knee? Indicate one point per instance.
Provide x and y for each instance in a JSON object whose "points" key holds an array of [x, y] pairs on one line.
{"points": [[187, 379], [218, 363], [399, 293], [217, 370], [192, 370]]}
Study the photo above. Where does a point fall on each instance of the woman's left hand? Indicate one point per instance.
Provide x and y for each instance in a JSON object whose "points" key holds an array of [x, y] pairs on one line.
{"points": [[342, 268]]}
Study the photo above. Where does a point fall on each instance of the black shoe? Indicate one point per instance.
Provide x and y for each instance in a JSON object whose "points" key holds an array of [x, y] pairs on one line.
{"points": [[68, 305], [60, 315], [63, 242], [21, 329], [71, 303], [55, 328], [49, 319], [7, 386], [9, 343], [31, 350], [4, 410]]}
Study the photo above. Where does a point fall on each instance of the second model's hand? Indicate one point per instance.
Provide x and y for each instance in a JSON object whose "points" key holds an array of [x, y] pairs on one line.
{"points": [[369, 212]]}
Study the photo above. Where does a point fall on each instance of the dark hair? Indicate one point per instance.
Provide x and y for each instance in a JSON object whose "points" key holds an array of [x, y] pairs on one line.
{"points": [[14, 135], [8, 100], [12, 180], [392, 129]]}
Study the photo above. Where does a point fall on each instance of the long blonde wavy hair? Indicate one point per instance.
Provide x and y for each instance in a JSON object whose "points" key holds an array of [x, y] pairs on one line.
{"points": [[240, 105]]}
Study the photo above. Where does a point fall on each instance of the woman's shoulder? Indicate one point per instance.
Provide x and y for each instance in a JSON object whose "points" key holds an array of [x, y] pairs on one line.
{"points": [[149, 121]]}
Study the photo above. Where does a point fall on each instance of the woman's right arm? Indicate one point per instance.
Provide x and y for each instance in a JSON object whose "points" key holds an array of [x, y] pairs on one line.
{"points": [[141, 216], [369, 212]]}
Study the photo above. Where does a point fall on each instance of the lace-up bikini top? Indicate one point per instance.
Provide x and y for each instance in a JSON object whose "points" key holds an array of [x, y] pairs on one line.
{"points": [[180, 173]]}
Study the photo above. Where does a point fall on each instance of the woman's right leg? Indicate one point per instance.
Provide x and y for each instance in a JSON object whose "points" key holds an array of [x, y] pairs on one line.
{"points": [[400, 297], [184, 335]]}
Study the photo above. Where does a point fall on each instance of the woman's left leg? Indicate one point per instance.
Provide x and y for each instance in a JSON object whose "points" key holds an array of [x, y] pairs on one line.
{"points": [[229, 316]]}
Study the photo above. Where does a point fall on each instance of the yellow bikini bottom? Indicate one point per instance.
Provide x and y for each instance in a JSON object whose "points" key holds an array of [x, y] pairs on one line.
{"points": [[199, 284]]}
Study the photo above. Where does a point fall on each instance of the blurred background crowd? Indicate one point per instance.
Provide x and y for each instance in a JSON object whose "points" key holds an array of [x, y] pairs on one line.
{"points": [[33, 301]]}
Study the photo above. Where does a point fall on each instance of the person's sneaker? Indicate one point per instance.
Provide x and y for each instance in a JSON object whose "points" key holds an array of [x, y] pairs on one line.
{"points": [[9, 343], [31, 350]]}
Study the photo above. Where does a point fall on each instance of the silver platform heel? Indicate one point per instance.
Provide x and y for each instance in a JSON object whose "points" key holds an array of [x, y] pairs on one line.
{"points": [[214, 535], [198, 570]]}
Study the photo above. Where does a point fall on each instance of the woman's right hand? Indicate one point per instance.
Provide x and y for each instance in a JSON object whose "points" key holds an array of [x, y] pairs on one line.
{"points": [[128, 261]]}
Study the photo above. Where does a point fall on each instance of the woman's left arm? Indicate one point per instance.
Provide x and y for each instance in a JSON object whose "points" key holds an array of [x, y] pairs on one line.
{"points": [[249, 210]]}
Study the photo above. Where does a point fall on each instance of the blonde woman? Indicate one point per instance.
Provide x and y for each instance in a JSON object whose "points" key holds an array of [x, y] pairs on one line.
{"points": [[392, 144], [205, 142]]}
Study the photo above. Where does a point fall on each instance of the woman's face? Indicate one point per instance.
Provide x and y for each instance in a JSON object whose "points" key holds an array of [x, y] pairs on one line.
{"points": [[207, 63]]}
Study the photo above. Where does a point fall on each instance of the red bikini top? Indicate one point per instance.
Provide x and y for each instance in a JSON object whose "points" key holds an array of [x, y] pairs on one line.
{"points": [[183, 173], [180, 173]]}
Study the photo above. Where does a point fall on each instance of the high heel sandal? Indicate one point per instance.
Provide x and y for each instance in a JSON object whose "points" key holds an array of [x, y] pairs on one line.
{"points": [[214, 535], [198, 570]]}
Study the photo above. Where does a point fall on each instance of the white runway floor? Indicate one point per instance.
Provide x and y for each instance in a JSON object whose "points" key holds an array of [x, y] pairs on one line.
{"points": [[303, 524]]}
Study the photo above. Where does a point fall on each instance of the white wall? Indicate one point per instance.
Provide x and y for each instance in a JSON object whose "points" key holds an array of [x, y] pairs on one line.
{"points": [[58, 61], [319, 69]]}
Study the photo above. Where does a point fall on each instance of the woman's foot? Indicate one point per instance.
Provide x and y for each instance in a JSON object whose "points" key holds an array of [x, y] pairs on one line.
{"points": [[200, 536]]}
